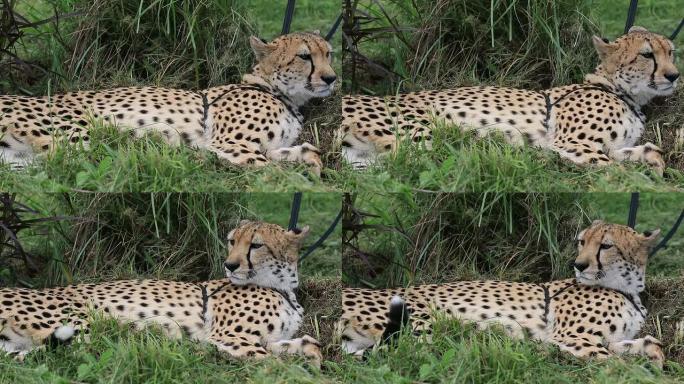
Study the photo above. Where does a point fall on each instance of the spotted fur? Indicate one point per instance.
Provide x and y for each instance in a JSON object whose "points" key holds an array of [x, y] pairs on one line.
{"points": [[252, 313], [254, 122], [597, 122], [597, 314]]}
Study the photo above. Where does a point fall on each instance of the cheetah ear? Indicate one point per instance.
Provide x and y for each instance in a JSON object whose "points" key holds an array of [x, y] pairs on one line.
{"points": [[637, 28], [299, 234], [317, 32], [603, 47], [244, 222], [260, 47], [596, 222], [650, 237]]}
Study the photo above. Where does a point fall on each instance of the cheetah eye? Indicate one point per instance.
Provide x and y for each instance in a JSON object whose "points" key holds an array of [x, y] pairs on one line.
{"points": [[581, 242], [255, 246], [606, 246], [648, 55], [304, 56], [231, 241]]}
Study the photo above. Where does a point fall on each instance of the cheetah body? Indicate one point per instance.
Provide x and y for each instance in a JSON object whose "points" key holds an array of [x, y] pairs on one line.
{"points": [[262, 314], [521, 308], [254, 122], [599, 121], [598, 313]]}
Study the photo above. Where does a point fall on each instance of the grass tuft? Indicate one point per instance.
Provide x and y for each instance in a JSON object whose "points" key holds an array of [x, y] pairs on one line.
{"points": [[459, 353]]}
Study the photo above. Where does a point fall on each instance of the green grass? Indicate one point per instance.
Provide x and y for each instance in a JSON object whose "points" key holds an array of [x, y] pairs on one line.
{"points": [[115, 162], [458, 162], [308, 15], [460, 354], [461, 162], [163, 235], [119, 355]]}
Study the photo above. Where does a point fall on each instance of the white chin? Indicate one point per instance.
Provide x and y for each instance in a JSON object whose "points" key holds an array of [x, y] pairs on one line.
{"points": [[666, 91], [581, 279], [237, 280], [323, 92]]}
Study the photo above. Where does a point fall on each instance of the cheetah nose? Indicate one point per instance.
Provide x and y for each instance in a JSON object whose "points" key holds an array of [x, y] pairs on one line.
{"points": [[581, 267], [231, 266], [672, 77], [329, 79]]}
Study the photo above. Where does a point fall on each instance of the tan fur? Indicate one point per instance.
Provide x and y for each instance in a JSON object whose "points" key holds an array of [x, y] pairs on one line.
{"points": [[597, 122], [250, 123], [588, 318], [245, 316]]}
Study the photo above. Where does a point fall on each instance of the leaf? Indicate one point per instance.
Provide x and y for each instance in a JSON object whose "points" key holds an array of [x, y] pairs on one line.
{"points": [[448, 356], [82, 178], [83, 371], [425, 371]]}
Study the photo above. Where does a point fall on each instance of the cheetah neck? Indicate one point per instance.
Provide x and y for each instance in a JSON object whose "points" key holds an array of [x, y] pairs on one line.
{"points": [[292, 101], [290, 104], [625, 278], [636, 100], [291, 298]]}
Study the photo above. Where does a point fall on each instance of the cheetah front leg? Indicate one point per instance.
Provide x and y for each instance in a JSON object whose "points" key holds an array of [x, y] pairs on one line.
{"points": [[13, 150], [582, 152], [239, 153], [304, 346], [249, 346], [249, 153], [582, 346], [647, 153], [304, 153], [13, 341], [647, 346], [364, 145], [239, 346]]}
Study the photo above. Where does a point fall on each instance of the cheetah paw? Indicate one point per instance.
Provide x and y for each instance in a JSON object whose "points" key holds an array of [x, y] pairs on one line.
{"points": [[654, 350], [648, 153], [312, 349], [312, 157]]}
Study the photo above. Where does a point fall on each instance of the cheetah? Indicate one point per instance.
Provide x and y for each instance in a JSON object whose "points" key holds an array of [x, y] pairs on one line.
{"points": [[596, 314], [597, 122], [252, 313], [254, 122]]}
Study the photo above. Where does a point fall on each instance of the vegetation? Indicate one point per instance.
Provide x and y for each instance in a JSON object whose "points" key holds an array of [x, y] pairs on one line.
{"points": [[460, 354]]}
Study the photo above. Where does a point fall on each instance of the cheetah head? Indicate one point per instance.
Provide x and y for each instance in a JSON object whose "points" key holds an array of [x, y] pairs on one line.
{"points": [[264, 254], [640, 63], [613, 256], [297, 64]]}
